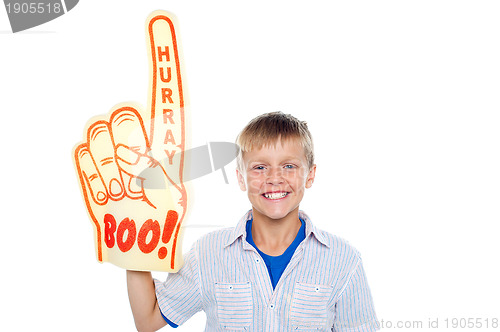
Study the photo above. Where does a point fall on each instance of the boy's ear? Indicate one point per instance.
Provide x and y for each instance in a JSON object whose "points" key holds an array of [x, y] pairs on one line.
{"points": [[241, 180], [310, 176]]}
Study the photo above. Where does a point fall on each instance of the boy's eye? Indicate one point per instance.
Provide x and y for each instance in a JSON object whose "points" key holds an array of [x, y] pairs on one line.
{"points": [[259, 167], [289, 166]]}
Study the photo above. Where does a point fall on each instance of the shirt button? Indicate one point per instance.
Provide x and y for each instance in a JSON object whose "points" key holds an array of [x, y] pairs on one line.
{"points": [[257, 260], [230, 287], [271, 306], [316, 289]]}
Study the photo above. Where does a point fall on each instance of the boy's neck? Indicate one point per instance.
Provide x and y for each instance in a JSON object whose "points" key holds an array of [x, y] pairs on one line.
{"points": [[274, 236]]}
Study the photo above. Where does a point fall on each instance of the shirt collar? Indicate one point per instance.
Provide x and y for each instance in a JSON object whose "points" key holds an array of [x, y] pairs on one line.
{"points": [[312, 230], [240, 230]]}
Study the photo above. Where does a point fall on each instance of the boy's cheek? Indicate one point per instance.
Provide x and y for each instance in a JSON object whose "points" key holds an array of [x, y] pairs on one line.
{"points": [[254, 184], [254, 179]]}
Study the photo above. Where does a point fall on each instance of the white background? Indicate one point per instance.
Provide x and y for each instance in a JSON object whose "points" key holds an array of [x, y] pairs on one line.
{"points": [[402, 98]]}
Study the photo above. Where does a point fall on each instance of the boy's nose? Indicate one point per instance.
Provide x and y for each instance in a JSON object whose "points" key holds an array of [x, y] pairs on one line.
{"points": [[275, 176]]}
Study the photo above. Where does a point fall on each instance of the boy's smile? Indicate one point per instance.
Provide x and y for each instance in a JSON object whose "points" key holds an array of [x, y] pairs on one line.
{"points": [[276, 195], [275, 178]]}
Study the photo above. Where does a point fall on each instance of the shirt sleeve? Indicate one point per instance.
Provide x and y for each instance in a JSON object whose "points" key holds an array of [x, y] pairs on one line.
{"points": [[354, 309], [179, 297], [168, 321]]}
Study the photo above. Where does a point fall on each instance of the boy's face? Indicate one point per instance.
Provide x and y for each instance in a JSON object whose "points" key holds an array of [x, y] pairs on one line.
{"points": [[276, 178]]}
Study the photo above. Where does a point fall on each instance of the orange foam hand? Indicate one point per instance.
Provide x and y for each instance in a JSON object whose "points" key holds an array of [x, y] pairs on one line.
{"points": [[131, 183]]}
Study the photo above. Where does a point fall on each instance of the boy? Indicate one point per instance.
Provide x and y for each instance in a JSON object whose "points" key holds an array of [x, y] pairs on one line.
{"points": [[274, 271]]}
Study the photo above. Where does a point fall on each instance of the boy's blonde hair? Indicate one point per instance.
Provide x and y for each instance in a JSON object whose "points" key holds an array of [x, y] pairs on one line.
{"points": [[269, 128]]}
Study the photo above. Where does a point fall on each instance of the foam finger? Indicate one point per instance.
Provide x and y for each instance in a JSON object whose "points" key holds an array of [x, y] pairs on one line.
{"points": [[133, 162], [146, 172], [90, 179], [103, 154], [167, 101], [128, 130]]}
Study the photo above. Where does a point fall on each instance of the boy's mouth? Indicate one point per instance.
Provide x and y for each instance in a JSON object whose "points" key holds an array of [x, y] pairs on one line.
{"points": [[275, 195]]}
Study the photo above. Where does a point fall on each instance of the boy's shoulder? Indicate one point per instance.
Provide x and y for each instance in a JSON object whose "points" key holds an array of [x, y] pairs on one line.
{"points": [[216, 239], [346, 246], [331, 242], [336, 243]]}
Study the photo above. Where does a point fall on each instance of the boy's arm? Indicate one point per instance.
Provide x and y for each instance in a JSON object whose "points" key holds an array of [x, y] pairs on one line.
{"points": [[142, 297], [355, 311]]}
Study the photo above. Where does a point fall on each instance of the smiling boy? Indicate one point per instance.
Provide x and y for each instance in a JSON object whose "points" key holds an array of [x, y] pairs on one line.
{"points": [[274, 271]]}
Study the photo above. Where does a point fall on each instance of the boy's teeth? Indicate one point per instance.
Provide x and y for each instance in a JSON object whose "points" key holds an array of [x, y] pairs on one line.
{"points": [[275, 195]]}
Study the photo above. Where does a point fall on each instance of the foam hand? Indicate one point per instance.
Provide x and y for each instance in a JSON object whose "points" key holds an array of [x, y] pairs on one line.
{"points": [[131, 163]]}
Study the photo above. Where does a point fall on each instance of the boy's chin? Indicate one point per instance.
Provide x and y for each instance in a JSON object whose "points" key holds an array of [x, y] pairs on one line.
{"points": [[275, 215]]}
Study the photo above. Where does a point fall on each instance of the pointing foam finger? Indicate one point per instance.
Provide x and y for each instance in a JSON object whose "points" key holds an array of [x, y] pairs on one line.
{"points": [[167, 101], [103, 154]]}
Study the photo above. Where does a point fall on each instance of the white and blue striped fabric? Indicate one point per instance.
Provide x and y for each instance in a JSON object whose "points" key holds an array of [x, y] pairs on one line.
{"points": [[323, 288]]}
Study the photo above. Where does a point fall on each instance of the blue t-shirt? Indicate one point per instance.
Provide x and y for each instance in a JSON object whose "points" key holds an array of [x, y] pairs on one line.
{"points": [[275, 264], [169, 322]]}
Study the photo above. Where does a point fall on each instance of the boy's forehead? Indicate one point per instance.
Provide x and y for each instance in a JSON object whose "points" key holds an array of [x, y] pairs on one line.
{"points": [[290, 147], [277, 142]]}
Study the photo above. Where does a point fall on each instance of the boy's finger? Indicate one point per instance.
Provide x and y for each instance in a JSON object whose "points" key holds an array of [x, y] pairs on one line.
{"points": [[166, 91]]}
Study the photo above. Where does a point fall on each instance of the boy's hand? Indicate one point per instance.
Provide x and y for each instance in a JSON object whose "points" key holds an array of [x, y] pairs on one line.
{"points": [[136, 202]]}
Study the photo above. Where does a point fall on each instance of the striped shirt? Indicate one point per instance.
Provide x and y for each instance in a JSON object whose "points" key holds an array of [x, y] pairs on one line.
{"points": [[323, 288]]}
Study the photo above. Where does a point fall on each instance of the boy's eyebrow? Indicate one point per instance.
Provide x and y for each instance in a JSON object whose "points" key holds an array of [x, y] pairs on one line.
{"points": [[294, 158], [283, 161]]}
